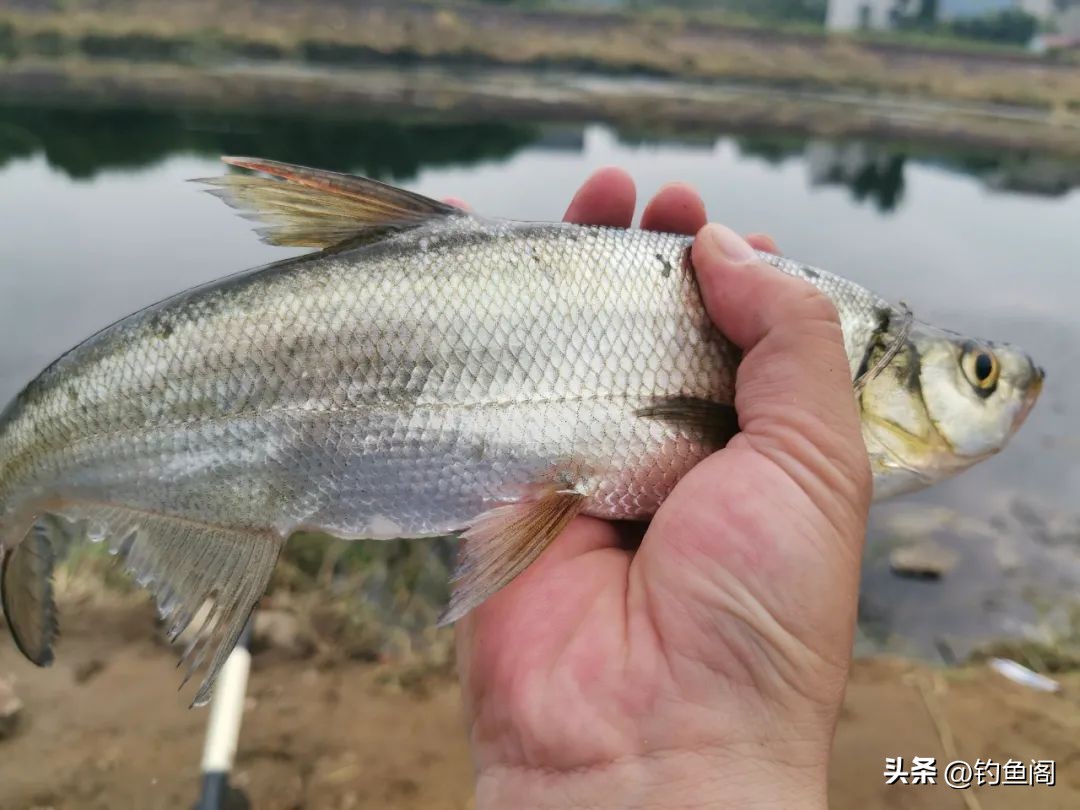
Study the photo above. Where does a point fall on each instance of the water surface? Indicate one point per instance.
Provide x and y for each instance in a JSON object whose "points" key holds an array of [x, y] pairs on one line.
{"points": [[96, 220]]}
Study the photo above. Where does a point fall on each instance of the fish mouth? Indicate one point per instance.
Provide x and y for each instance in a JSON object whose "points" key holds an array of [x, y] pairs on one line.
{"points": [[1031, 396], [925, 457]]}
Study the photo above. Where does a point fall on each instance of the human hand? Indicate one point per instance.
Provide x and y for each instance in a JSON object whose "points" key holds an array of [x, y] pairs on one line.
{"points": [[706, 668]]}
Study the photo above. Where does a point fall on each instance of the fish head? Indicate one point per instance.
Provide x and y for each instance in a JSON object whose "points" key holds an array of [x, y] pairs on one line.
{"points": [[939, 403]]}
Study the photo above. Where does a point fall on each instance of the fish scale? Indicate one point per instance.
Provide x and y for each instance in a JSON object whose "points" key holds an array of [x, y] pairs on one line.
{"points": [[427, 372], [473, 359]]}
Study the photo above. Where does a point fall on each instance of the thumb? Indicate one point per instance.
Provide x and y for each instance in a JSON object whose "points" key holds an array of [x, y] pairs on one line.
{"points": [[793, 388]]}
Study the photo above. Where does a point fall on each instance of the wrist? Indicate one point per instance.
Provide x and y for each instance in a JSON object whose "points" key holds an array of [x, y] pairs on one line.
{"points": [[657, 781]]}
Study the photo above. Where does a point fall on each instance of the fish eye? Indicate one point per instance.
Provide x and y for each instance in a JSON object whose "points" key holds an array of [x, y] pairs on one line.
{"points": [[982, 369]]}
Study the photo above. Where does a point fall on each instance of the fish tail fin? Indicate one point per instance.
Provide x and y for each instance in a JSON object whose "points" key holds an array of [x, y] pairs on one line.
{"points": [[26, 591], [303, 207]]}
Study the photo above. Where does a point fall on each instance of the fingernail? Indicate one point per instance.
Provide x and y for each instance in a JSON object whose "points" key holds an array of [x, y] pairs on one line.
{"points": [[734, 248]]}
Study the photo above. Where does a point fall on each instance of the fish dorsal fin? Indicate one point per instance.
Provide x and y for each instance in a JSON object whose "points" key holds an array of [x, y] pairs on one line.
{"points": [[302, 207]]}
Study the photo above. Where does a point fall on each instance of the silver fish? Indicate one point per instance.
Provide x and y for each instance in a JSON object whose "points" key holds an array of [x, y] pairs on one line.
{"points": [[426, 372]]}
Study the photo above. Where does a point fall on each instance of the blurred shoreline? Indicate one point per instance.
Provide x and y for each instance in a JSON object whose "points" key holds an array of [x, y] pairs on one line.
{"points": [[482, 62], [660, 106]]}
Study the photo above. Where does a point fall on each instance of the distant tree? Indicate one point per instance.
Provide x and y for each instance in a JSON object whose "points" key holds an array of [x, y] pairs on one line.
{"points": [[1010, 26], [801, 10], [914, 15], [812, 11]]}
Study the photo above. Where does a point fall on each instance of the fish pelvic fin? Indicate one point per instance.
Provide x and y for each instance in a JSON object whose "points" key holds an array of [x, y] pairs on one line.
{"points": [[303, 207], [26, 588], [711, 422], [504, 541]]}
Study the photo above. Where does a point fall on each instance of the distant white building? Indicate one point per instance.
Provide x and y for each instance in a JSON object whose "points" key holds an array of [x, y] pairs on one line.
{"points": [[1038, 8], [862, 15], [1060, 16]]}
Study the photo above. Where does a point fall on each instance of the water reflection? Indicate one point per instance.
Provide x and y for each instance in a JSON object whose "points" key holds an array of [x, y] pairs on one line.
{"points": [[83, 142], [874, 172], [871, 172], [1026, 174]]}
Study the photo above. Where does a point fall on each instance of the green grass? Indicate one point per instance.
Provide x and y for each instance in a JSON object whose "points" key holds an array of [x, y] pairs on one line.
{"points": [[941, 41]]}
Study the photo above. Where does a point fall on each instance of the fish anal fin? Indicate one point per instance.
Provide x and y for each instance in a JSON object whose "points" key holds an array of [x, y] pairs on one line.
{"points": [[504, 541], [26, 587], [194, 570], [711, 422], [304, 207]]}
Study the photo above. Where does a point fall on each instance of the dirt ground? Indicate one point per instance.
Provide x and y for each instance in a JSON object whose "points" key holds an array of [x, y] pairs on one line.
{"points": [[105, 728]]}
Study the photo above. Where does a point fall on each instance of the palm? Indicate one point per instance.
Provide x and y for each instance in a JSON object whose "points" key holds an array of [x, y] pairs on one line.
{"points": [[599, 652]]}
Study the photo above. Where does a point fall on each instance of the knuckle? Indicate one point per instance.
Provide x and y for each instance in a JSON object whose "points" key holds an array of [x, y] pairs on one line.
{"points": [[805, 301]]}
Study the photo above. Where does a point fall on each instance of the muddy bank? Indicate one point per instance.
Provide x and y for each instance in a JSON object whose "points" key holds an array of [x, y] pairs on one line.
{"points": [[660, 106], [106, 728]]}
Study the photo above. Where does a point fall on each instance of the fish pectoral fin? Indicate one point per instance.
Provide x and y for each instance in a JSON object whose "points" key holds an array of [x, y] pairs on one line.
{"points": [[504, 541], [711, 422], [26, 588], [306, 207], [200, 574]]}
